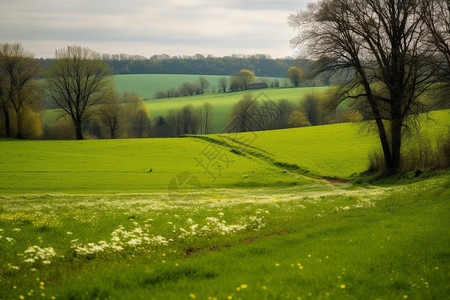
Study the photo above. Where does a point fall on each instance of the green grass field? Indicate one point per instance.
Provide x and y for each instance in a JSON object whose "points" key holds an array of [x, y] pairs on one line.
{"points": [[147, 85], [223, 103], [243, 216]]}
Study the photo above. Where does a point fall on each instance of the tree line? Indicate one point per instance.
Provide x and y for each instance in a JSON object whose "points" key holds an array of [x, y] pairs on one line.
{"points": [[79, 84], [196, 65]]}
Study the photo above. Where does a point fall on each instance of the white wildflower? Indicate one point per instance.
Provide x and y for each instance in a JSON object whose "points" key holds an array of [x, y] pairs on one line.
{"points": [[35, 254]]}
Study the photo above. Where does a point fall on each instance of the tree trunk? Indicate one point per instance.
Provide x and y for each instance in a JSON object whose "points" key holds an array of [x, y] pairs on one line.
{"points": [[381, 128], [19, 133], [79, 130], [384, 143], [396, 143], [7, 122]]}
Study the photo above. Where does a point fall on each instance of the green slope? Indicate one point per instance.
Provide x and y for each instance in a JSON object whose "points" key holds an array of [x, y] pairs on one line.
{"points": [[269, 158], [223, 103], [147, 85], [123, 165]]}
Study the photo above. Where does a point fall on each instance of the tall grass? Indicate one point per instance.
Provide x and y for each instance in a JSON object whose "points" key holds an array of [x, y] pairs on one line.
{"points": [[421, 153]]}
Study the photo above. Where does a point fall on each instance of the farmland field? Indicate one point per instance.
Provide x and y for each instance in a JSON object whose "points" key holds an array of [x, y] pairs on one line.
{"points": [[223, 103], [147, 85], [244, 216]]}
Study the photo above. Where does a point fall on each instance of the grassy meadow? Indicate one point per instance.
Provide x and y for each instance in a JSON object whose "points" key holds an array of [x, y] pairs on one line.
{"points": [[238, 216], [224, 102], [147, 85]]}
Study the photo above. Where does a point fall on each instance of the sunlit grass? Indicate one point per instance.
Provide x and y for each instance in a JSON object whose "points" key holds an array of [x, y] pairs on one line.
{"points": [[313, 241]]}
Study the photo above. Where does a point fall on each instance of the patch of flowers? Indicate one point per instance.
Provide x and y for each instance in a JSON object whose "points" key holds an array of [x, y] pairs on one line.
{"points": [[121, 240], [214, 226], [36, 254]]}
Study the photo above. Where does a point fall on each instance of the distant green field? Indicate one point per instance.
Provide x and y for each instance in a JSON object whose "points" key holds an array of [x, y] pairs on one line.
{"points": [[223, 103], [147, 85]]}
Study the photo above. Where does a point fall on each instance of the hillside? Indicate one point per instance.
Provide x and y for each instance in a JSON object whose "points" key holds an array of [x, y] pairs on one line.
{"points": [[219, 216], [269, 158], [147, 85], [223, 103]]}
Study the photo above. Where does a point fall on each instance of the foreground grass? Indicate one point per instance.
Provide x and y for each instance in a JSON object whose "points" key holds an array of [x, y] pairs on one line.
{"points": [[312, 242]]}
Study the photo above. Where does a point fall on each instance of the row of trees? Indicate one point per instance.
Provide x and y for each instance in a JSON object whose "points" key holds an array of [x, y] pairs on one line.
{"points": [[79, 83], [237, 82], [196, 65], [115, 117], [252, 114], [186, 89]]}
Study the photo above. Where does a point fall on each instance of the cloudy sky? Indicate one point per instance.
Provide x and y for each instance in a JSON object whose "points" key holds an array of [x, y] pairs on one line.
{"points": [[148, 27]]}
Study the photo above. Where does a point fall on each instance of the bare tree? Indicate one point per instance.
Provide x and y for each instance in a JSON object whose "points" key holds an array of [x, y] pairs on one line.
{"points": [[77, 81], [284, 108], [111, 114], [17, 70], [244, 115], [310, 107], [189, 119], [206, 117], [377, 41], [437, 19], [223, 83], [203, 84]]}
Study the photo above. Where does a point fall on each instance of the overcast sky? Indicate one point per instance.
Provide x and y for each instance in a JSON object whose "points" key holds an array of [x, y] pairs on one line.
{"points": [[149, 27]]}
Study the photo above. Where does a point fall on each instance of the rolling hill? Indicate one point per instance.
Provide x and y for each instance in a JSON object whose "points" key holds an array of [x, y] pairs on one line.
{"points": [[266, 158], [147, 85]]}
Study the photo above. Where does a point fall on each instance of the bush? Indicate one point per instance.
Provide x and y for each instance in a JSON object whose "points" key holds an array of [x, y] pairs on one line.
{"points": [[63, 129]]}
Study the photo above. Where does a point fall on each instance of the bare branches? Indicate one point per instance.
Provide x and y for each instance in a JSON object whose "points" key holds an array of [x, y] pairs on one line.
{"points": [[77, 81], [397, 50]]}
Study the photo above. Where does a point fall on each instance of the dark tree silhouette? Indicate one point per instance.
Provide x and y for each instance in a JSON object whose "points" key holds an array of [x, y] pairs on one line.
{"points": [[385, 45], [77, 81]]}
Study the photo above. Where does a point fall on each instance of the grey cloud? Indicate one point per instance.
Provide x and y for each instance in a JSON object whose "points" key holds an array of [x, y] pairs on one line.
{"points": [[192, 25]]}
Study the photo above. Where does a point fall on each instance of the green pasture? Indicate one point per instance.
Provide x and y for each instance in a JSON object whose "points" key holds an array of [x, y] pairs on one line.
{"points": [[265, 158], [337, 150], [223, 103], [317, 241], [147, 85], [123, 166], [230, 216]]}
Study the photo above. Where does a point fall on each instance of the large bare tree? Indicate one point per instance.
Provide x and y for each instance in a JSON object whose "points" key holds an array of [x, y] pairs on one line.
{"points": [[18, 68], [77, 81], [385, 46]]}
